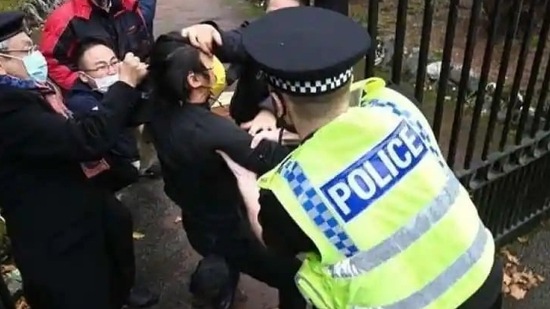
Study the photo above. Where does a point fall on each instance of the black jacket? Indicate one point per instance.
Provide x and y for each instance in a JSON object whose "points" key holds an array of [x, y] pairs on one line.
{"points": [[195, 176], [83, 101], [45, 197]]}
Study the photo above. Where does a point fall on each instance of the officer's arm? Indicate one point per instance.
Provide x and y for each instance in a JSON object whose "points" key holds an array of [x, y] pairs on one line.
{"points": [[232, 48]]}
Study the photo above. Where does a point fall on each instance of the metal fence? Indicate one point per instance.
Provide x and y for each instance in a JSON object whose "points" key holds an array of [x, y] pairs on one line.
{"points": [[496, 135]]}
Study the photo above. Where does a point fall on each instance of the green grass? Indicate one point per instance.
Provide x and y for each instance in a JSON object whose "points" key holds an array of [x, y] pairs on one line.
{"points": [[246, 8], [9, 5]]}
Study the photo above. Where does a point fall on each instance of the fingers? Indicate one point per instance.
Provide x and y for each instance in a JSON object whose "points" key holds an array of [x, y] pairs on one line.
{"points": [[200, 42], [246, 125], [255, 130], [217, 38], [256, 140], [194, 40], [206, 47], [185, 32], [223, 155]]}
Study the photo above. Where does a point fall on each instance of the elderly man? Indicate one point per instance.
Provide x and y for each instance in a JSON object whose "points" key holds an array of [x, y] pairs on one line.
{"points": [[55, 215]]}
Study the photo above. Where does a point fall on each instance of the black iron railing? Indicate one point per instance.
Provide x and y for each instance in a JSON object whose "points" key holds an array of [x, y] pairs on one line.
{"points": [[496, 136]]}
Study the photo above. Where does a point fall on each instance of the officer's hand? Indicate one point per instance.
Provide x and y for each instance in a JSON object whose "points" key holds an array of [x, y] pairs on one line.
{"points": [[203, 37], [132, 70], [287, 138], [264, 121], [246, 180]]}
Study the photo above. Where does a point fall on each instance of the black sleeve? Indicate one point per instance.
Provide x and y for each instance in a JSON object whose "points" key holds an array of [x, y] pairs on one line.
{"points": [[268, 154], [232, 49], [280, 231], [31, 131], [219, 133], [233, 73]]}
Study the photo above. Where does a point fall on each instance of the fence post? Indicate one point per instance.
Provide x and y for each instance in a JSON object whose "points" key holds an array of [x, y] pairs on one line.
{"points": [[341, 6]]}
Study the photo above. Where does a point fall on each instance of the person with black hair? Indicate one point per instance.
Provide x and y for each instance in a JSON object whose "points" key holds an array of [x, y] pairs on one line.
{"points": [[186, 134], [125, 24], [250, 105], [98, 71], [55, 216]]}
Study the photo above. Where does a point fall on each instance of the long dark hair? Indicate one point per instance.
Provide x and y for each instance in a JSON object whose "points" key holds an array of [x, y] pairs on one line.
{"points": [[170, 62]]}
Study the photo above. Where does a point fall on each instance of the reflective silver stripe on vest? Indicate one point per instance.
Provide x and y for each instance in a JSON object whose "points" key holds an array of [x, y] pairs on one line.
{"points": [[433, 290], [365, 261]]}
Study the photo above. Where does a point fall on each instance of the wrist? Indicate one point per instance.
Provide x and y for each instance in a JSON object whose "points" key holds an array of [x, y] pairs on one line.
{"points": [[128, 82], [267, 105], [266, 111]]}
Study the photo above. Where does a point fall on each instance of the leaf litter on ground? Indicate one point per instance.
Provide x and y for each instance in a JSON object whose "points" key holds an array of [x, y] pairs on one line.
{"points": [[10, 273], [518, 279]]}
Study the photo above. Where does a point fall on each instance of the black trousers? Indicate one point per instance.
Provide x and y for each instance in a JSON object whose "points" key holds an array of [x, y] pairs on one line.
{"points": [[244, 253], [120, 248], [498, 303], [86, 266]]}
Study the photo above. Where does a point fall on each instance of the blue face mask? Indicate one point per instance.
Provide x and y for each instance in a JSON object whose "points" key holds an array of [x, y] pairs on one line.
{"points": [[36, 66]]}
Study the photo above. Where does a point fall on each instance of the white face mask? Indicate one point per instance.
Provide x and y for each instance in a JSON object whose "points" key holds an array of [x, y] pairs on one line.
{"points": [[104, 83]]}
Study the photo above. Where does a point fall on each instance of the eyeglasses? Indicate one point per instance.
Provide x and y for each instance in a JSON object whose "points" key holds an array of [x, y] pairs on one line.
{"points": [[104, 67], [26, 51]]}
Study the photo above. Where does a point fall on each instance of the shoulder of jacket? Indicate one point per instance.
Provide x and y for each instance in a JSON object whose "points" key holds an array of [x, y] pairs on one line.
{"points": [[79, 97], [60, 17], [129, 5], [12, 99]]}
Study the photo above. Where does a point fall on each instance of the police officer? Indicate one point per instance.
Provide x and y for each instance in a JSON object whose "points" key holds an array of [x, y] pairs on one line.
{"points": [[367, 196]]}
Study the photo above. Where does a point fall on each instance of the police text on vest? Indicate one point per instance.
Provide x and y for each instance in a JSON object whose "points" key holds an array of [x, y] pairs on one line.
{"points": [[363, 182]]}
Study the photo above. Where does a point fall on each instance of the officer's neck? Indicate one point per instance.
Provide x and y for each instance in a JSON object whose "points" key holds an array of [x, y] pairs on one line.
{"points": [[306, 127]]}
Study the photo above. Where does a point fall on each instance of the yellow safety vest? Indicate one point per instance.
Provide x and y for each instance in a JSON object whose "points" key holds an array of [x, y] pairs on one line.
{"points": [[394, 227]]}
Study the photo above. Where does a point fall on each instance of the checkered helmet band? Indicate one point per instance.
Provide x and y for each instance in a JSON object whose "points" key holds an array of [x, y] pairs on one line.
{"points": [[311, 87]]}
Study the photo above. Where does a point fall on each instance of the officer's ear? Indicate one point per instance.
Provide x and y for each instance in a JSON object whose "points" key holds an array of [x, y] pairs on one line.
{"points": [[277, 101]]}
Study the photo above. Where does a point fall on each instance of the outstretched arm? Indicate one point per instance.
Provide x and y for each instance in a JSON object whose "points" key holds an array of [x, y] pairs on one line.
{"points": [[226, 45]]}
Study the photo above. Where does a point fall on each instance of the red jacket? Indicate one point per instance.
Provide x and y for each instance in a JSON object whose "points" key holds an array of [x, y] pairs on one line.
{"points": [[124, 28]]}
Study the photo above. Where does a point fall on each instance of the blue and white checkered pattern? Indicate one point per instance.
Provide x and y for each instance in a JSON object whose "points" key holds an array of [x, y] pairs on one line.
{"points": [[415, 122], [316, 209]]}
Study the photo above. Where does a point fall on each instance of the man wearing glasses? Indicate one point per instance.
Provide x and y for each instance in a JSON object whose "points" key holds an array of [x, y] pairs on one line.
{"points": [[98, 70], [56, 218]]}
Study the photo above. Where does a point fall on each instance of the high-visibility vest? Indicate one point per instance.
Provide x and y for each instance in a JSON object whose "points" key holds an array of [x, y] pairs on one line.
{"points": [[394, 227]]}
